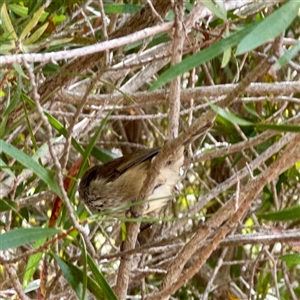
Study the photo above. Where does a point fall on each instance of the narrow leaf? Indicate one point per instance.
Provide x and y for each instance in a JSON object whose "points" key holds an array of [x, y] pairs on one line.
{"points": [[74, 275], [31, 164], [287, 56], [22, 236], [7, 25], [33, 263], [71, 275], [36, 35], [84, 271], [32, 23], [242, 122], [6, 168], [121, 8], [278, 127], [201, 57], [107, 290], [19, 10], [226, 54], [270, 27], [289, 214], [291, 259], [230, 117], [217, 10], [91, 144]]}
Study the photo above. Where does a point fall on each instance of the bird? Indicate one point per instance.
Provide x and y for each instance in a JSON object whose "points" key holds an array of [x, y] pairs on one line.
{"points": [[111, 188]]}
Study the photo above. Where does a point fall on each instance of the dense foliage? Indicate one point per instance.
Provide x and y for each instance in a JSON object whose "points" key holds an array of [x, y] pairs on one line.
{"points": [[82, 82]]}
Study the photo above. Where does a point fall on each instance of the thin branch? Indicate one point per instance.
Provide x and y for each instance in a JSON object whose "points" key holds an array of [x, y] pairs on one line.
{"points": [[84, 51], [60, 179], [15, 281], [247, 195], [276, 89], [175, 86]]}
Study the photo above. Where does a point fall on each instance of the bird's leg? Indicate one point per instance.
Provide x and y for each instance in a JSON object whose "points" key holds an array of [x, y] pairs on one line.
{"points": [[132, 210]]}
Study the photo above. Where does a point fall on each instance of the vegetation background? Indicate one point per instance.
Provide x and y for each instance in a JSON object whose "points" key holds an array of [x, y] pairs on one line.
{"points": [[82, 82]]}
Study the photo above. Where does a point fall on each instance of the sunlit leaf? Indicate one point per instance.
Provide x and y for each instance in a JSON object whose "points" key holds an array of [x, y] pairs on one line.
{"points": [[7, 25], [36, 35], [6, 48], [33, 22]]}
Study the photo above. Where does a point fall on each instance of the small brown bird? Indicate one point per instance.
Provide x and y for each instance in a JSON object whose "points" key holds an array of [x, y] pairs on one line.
{"points": [[116, 184]]}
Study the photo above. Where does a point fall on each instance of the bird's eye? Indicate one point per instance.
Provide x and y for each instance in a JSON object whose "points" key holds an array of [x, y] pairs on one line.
{"points": [[157, 186], [168, 162]]}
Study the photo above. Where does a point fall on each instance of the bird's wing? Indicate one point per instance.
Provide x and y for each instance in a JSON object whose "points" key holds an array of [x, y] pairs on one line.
{"points": [[133, 160]]}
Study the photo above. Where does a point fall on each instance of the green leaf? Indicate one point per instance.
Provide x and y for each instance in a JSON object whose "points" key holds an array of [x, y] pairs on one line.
{"points": [[251, 110], [5, 48], [230, 117], [6, 168], [291, 259], [226, 54], [56, 124], [74, 276], [20, 71], [92, 143], [31, 164], [270, 27], [60, 42], [218, 10], [6, 204], [71, 274], [107, 290], [121, 8], [15, 99], [288, 214], [32, 286], [32, 136], [33, 263], [33, 22], [22, 236], [84, 271], [287, 56], [278, 127], [201, 57], [103, 155], [36, 35], [19, 10], [7, 25], [242, 122]]}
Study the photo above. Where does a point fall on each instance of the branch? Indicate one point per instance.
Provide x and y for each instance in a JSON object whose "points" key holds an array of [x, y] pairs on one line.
{"points": [[161, 96], [175, 86], [84, 51], [228, 212]]}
